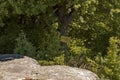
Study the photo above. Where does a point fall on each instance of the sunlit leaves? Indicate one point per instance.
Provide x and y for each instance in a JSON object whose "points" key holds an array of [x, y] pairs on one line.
{"points": [[90, 24], [89, 6], [115, 10]]}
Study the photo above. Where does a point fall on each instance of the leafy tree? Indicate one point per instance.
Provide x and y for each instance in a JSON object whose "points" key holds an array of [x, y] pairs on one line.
{"points": [[43, 13], [60, 28]]}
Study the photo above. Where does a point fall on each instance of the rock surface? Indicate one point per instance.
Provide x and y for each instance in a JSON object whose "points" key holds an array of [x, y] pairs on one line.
{"points": [[27, 68]]}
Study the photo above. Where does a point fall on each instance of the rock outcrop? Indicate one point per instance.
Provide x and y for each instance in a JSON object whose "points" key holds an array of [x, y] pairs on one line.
{"points": [[26, 68]]}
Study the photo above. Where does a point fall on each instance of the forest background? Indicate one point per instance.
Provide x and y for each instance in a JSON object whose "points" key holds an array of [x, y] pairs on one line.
{"points": [[77, 33]]}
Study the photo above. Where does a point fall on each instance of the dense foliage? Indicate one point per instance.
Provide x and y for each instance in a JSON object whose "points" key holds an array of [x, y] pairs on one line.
{"points": [[80, 33]]}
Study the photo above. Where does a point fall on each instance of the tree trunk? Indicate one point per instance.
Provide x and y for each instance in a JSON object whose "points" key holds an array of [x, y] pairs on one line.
{"points": [[64, 19], [63, 32]]}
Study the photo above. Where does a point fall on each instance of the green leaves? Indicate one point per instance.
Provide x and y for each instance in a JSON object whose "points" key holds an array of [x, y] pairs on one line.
{"points": [[29, 7], [3, 8], [84, 25], [23, 46], [112, 59]]}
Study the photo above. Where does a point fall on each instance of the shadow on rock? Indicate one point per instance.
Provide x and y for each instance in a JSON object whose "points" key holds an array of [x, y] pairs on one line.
{"points": [[6, 57]]}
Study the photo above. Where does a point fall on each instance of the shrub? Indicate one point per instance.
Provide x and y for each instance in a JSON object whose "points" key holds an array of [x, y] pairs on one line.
{"points": [[108, 67], [56, 61], [45, 62], [23, 46], [59, 60]]}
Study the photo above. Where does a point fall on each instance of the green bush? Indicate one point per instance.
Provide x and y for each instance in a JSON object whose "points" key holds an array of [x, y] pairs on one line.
{"points": [[56, 61], [45, 62], [49, 48], [77, 50], [23, 46], [59, 60], [108, 67]]}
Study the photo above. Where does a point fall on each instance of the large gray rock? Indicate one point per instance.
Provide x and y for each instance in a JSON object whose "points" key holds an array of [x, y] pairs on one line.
{"points": [[26, 68]]}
